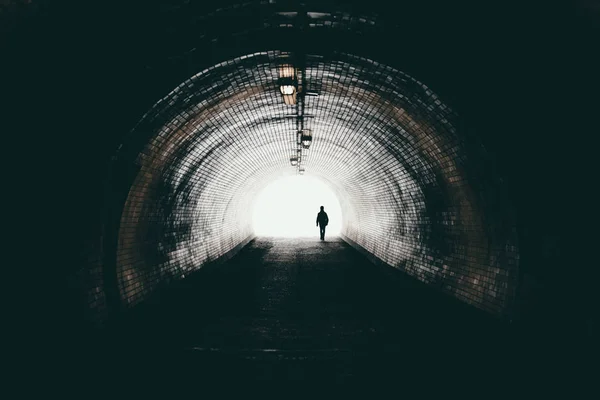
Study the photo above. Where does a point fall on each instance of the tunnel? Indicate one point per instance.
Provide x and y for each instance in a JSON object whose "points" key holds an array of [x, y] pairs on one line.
{"points": [[430, 124], [392, 156]]}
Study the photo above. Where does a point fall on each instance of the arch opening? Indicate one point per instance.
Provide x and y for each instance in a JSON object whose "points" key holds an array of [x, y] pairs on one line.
{"points": [[288, 207], [412, 194]]}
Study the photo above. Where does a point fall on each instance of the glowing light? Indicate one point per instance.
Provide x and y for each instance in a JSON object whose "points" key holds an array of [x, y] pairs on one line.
{"points": [[288, 207], [287, 78], [289, 94], [287, 89], [306, 138]]}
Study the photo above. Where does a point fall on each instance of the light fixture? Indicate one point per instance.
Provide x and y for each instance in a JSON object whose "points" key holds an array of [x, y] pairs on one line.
{"points": [[287, 90], [306, 138], [294, 161], [301, 171], [287, 84]]}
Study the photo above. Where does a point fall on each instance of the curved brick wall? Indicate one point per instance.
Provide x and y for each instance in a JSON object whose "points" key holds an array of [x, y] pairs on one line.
{"points": [[413, 194]]}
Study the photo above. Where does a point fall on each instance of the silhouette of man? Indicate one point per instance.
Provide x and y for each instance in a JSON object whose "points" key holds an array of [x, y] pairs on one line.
{"points": [[322, 221]]}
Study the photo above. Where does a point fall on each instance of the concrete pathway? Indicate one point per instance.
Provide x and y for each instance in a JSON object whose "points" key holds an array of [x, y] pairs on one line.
{"points": [[297, 309]]}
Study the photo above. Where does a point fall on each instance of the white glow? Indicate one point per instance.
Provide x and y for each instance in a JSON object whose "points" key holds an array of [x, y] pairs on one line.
{"points": [[289, 207], [306, 138], [287, 89]]}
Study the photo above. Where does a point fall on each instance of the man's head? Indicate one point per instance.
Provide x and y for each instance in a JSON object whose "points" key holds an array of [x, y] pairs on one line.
{"points": [[322, 208]]}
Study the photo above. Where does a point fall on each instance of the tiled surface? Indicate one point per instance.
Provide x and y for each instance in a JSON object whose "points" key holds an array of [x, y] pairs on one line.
{"points": [[414, 191], [384, 142]]}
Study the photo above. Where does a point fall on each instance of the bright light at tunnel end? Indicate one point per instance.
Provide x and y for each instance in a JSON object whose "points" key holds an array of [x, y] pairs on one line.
{"points": [[288, 207]]}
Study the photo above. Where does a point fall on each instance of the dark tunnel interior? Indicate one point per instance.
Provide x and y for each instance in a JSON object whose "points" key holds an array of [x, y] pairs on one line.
{"points": [[455, 137]]}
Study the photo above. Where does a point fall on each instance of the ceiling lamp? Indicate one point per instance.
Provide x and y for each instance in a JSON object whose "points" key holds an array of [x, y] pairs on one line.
{"points": [[301, 170], [306, 138], [294, 161], [288, 83]]}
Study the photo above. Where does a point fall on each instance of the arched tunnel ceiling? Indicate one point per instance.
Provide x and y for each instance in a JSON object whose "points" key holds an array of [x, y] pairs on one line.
{"points": [[384, 142], [417, 190]]}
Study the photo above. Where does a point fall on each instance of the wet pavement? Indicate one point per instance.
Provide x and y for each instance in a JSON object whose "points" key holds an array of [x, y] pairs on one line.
{"points": [[305, 309]]}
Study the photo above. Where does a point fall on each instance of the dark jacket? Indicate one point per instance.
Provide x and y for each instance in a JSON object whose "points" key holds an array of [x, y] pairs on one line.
{"points": [[322, 218]]}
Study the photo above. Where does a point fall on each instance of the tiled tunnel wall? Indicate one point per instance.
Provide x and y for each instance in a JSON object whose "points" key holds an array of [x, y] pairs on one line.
{"points": [[438, 210], [416, 192], [413, 194]]}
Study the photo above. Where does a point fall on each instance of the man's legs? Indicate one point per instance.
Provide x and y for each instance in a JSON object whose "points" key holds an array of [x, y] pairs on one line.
{"points": [[322, 231]]}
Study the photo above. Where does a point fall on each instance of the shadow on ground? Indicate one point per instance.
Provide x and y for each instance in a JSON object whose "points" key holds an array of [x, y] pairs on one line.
{"points": [[302, 310]]}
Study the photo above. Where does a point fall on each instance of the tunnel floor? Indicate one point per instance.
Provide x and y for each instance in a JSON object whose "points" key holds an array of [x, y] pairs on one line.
{"points": [[305, 309]]}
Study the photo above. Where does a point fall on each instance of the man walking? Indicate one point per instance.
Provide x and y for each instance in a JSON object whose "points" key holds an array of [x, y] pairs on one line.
{"points": [[322, 221]]}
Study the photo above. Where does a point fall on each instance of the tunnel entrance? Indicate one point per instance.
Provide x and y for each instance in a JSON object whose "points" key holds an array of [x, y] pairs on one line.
{"points": [[288, 206], [413, 195]]}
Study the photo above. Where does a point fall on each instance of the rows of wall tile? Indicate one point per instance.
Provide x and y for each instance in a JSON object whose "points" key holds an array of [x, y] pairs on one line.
{"points": [[416, 203], [383, 141]]}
